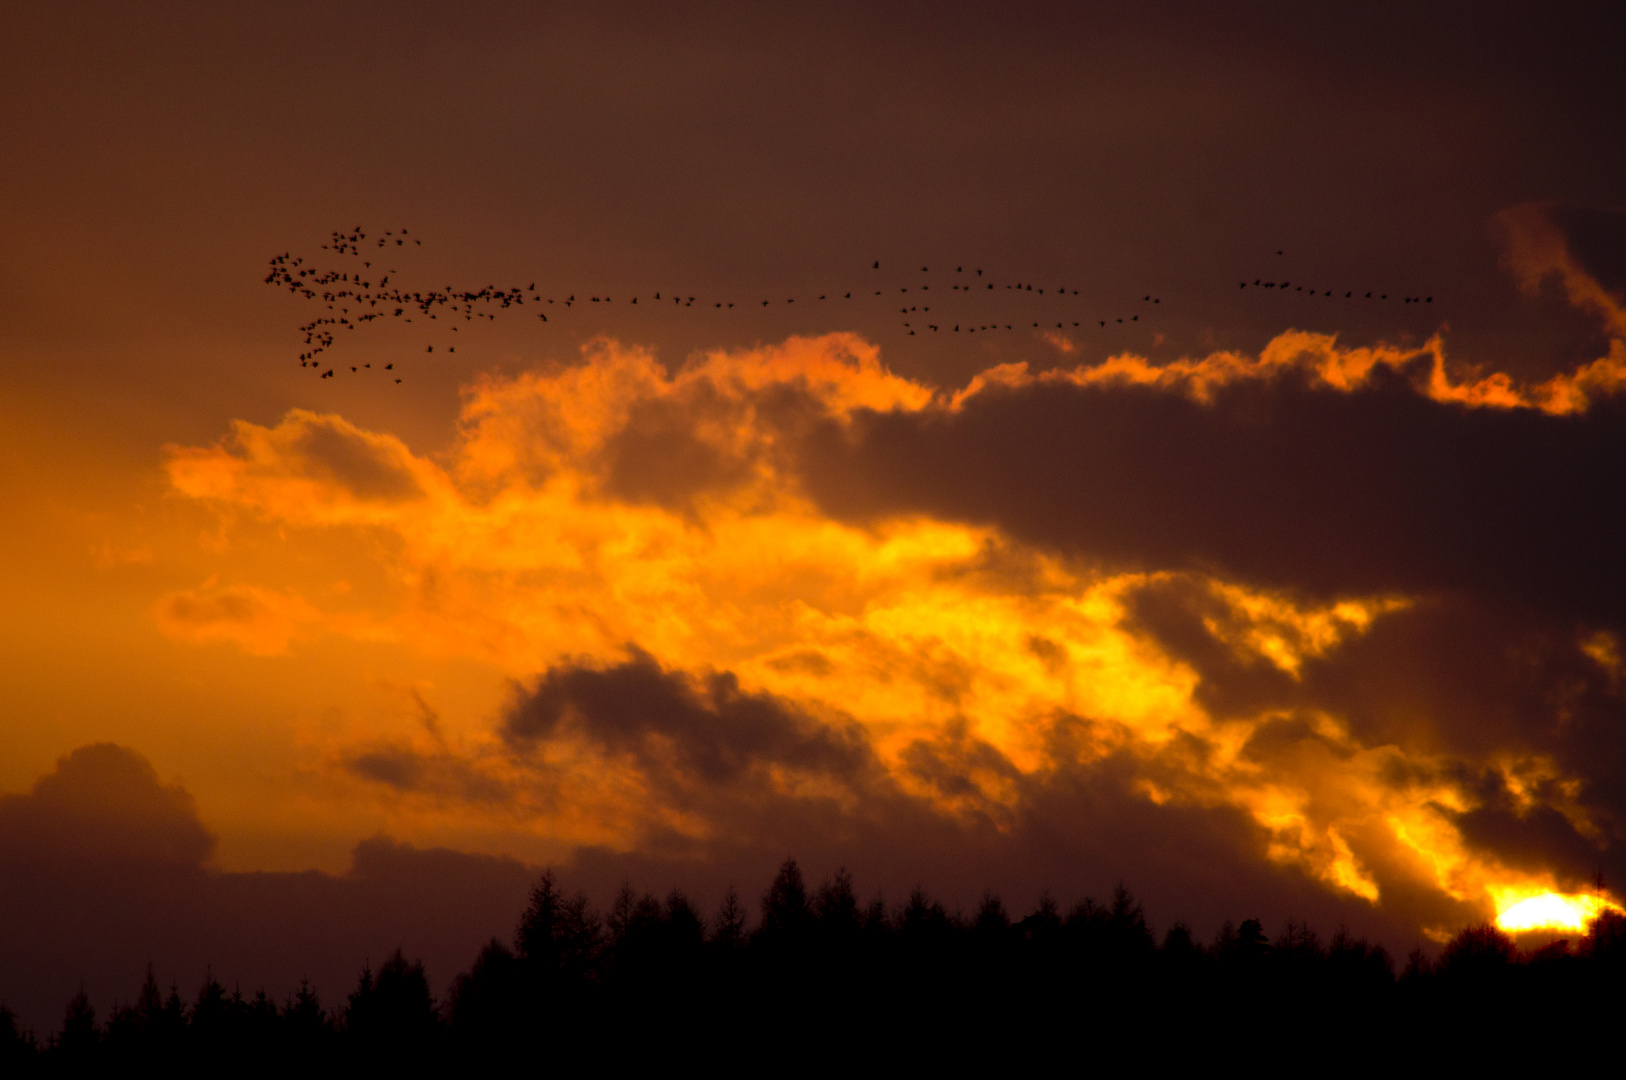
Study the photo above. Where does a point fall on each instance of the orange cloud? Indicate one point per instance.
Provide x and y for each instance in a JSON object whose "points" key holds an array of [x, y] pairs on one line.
{"points": [[331, 471], [1060, 342], [1321, 358], [1535, 248], [260, 621], [585, 507]]}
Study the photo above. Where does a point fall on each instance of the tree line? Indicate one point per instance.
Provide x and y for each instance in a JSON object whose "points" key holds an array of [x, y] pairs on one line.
{"points": [[822, 976]]}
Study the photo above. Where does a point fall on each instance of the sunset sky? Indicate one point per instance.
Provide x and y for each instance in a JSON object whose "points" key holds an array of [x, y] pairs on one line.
{"points": [[1264, 601]]}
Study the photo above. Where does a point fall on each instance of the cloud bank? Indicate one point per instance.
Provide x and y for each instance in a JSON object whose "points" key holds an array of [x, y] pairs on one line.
{"points": [[1344, 622], [104, 869]]}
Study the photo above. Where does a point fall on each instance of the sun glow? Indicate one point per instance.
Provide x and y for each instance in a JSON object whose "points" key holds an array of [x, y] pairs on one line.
{"points": [[1555, 911]]}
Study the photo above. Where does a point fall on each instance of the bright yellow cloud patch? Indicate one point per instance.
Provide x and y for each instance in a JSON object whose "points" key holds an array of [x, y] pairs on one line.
{"points": [[1553, 911]]}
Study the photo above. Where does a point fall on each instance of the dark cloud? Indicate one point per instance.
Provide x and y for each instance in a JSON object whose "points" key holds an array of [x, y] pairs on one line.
{"points": [[396, 766], [356, 462], [1597, 240], [1278, 483], [1076, 831], [1442, 673], [701, 440], [658, 455], [436, 773], [683, 730], [1072, 829], [952, 763], [1460, 675], [1535, 837], [1487, 689], [1189, 622], [102, 871], [103, 803], [1483, 693], [1077, 825]]}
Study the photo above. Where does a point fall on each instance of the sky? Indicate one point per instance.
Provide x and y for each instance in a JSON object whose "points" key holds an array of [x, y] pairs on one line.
{"points": [[1013, 487]]}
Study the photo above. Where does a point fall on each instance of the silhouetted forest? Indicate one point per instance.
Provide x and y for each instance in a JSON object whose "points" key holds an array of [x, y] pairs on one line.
{"points": [[820, 976]]}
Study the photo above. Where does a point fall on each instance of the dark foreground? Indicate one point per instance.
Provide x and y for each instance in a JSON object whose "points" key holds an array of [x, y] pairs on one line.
{"points": [[823, 981]]}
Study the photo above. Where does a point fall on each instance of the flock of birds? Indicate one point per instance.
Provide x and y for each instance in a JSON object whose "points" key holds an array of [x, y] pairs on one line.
{"points": [[362, 294], [1315, 292]]}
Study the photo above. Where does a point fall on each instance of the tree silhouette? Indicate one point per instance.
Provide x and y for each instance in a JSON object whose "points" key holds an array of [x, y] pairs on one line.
{"points": [[1605, 939], [991, 922], [1251, 942], [836, 909], [219, 1021], [686, 933], [391, 1017], [1179, 946], [18, 1051], [1478, 953], [558, 940], [153, 1030], [79, 1043], [487, 1011], [306, 1030], [833, 982], [786, 915], [729, 930]]}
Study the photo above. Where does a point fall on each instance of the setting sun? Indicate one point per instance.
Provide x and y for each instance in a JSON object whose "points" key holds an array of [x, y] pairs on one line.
{"points": [[1555, 911]]}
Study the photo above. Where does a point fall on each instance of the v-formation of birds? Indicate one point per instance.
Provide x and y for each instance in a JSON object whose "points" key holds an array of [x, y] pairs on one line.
{"points": [[352, 299]]}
